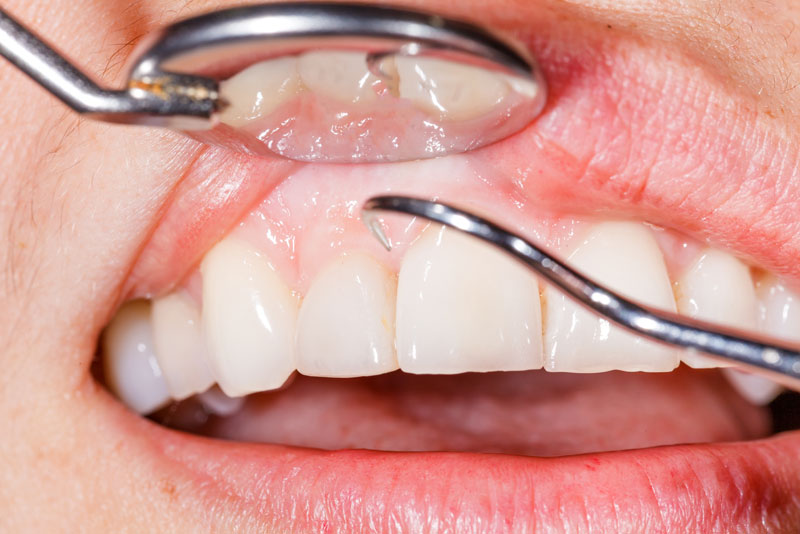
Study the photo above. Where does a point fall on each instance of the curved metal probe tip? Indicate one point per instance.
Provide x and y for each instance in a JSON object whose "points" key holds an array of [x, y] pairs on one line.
{"points": [[757, 354]]}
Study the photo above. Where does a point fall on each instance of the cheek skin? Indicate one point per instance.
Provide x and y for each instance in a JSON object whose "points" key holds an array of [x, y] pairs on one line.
{"points": [[77, 199]]}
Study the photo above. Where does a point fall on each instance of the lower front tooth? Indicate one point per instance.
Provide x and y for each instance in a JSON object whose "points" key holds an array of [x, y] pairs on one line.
{"points": [[755, 389], [249, 317], [346, 323], [717, 288], [179, 345], [130, 366], [626, 258], [462, 306]]}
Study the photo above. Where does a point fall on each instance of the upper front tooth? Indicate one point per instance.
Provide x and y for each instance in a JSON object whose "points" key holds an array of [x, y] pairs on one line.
{"points": [[249, 319], [179, 345], [259, 90], [462, 306], [130, 365], [346, 322], [342, 75], [716, 288], [778, 309], [625, 257], [447, 89]]}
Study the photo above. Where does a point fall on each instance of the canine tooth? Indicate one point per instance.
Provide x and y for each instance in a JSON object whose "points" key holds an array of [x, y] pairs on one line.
{"points": [[716, 288], [179, 345], [259, 90], [758, 390], [343, 75], [447, 89], [778, 309], [346, 322], [625, 257], [462, 306], [130, 365], [248, 318]]}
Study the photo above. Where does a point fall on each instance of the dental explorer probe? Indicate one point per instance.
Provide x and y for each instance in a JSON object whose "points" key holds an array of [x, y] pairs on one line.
{"points": [[759, 355], [164, 90]]}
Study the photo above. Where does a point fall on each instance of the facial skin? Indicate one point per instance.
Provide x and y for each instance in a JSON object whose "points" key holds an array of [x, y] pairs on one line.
{"points": [[79, 199]]}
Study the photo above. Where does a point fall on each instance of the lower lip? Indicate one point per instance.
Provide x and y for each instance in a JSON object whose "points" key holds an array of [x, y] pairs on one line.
{"points": [[732, 487]]}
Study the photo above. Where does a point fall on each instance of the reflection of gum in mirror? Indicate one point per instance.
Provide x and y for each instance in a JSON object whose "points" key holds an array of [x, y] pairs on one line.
{"points": [[413, 107]]}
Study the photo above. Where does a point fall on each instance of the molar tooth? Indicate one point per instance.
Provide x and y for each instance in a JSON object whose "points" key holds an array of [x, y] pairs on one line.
{"points": [[179, 345], [625, 257], [346, 322], [448, 89], [343, 75], [462, 307], [259, 90], [716, 288], [249, 319], [130, 366]]}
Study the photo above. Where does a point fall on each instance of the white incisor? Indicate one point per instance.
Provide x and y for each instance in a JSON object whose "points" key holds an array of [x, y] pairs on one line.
{"points": [[346, 322], [625, 257], [717, 288], [463, 306]]}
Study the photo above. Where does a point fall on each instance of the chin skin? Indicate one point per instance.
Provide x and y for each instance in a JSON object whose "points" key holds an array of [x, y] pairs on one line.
{"points": [[78, 199]]}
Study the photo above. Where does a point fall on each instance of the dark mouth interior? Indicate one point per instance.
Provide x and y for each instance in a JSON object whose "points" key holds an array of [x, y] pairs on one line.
{"points": [[529, 413]]}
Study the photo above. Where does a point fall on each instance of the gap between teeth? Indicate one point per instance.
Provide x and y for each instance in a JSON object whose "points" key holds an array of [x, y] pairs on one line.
{"points": [[455, 306]]}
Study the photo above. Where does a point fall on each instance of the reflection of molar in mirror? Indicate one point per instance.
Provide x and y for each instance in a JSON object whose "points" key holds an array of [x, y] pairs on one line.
{"points": [[331, 106]]}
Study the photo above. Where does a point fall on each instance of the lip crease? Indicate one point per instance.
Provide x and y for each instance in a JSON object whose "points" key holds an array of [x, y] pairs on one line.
{"points": [[629, 131]]}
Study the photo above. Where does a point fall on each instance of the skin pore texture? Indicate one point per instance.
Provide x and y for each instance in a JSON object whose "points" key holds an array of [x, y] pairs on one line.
{"points": [[95, 214]]}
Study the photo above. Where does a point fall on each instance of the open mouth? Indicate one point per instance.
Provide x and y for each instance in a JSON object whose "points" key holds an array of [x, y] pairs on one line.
{"points": [[440, 387]]}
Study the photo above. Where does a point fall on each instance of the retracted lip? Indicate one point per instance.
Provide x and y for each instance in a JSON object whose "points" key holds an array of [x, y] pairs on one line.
{"points": [[631, 129]]}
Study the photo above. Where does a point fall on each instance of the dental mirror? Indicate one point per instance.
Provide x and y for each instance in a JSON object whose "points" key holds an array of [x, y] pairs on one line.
{"points": [[325, 82]]}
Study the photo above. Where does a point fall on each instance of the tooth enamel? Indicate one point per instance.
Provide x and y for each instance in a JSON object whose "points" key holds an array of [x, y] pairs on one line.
{"points": [[259, 89], [778, 309], [757, 390], [179, 345], [717, 288], [447, 89], [462, 306], [625, 257], [346, 322], [249, 319], [341, 75], [216, 402], [129, 362]]}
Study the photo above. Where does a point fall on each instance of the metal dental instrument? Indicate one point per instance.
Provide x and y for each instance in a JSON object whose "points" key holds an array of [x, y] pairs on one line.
{"points": [[174, 78], [760, 355]]}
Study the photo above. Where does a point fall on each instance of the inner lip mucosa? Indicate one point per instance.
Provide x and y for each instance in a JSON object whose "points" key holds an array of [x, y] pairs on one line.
{"points": [[441, 344]]}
